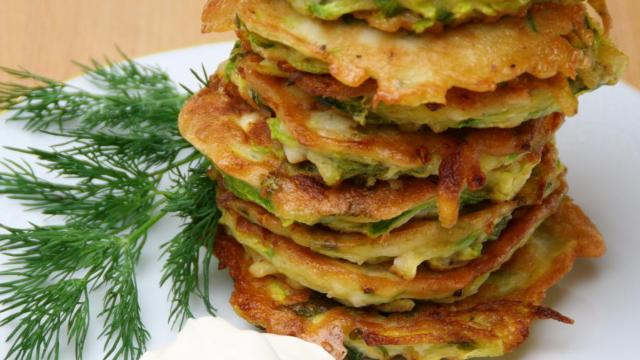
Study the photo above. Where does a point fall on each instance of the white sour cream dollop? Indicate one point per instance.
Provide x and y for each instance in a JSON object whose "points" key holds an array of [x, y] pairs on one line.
{"points": [[211, 338]]}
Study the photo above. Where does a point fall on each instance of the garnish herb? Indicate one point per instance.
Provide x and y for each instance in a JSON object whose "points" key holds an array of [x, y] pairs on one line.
{"points": [[117, 146]]}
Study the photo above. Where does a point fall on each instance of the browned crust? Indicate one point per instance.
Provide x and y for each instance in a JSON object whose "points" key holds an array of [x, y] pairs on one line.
{"points": [[427, 284], [205, 123], [506, 317], [460, 150], [404, 148], [218, 15], [325, 85], [309, 196], [571, 222], [323, 237], [319, 237], [542, 54]]}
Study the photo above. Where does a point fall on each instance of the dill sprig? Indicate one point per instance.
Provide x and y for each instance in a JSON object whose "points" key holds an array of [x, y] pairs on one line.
{"points": [[44, 293], [108, 192], [119, 144], [131, 96], [193, 199]]}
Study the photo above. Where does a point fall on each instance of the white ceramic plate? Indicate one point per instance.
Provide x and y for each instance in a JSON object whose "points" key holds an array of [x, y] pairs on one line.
{"points": [[601, 147]]}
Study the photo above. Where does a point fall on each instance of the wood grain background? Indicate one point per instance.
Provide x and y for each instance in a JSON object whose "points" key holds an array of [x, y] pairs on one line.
{"points": [[44, 35]]}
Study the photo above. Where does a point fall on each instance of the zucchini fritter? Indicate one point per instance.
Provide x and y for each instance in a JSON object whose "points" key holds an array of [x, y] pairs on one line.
{"points": [[238, 141], [414, 70], [492, 322], [509, 105], [417, 241], [363, 285], [405, 248], [340, 148]]}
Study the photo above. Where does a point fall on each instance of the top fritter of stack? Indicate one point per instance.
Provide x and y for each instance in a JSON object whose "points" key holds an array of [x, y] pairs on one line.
{"points": [[430, 66], [495, 71]]}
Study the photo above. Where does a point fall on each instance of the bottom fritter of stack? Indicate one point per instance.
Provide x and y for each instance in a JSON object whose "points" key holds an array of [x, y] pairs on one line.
{"points": [[490, 318]]}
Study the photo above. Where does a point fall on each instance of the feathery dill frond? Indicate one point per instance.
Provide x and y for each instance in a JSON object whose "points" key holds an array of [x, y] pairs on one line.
{"points": [[118, 144], [193, 200]]}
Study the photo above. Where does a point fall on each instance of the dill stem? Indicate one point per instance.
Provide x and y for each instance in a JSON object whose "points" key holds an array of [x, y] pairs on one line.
{"points": [[146, 226], [194, 155]]}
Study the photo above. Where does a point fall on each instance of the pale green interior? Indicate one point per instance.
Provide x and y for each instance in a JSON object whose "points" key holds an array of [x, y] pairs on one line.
{"points": [[607, 65], [427, 12]]}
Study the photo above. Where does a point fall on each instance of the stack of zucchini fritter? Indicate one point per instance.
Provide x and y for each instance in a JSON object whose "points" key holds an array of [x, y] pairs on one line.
{"points": [[386, 169]]}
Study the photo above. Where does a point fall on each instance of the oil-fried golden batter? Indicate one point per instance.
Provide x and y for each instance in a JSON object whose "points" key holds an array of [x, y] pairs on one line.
{"points": [[362, 285], [238, 141], [414, 70], [490, 323], [420, 239]]}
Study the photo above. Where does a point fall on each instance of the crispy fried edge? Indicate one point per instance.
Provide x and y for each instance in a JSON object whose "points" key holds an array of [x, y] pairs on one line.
{"points": [[427, 284], [218, 15], [349, 73], [251, 300], [533, 193], [199, 116]]}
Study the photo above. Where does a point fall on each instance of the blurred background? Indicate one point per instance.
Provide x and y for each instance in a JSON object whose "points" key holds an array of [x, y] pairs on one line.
{"points": [[45, 35]]}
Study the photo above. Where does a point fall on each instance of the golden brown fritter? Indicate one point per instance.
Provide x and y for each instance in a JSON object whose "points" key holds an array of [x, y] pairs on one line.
{"points": [[420, 239], [237, 140], [490, 323], [511, 103], [310, 125], [218, 14], [414, 70], [362, 285]]}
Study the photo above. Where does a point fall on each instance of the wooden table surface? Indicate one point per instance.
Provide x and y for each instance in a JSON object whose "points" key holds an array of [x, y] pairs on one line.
{"points": [[44, 35]]}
